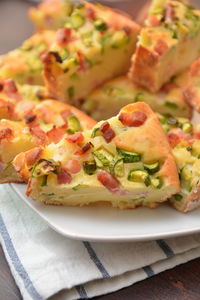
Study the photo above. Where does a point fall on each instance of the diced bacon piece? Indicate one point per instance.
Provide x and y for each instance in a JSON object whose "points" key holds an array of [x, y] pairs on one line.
{"points": [[64, 177], [161, 47], [6, 133], [32, 156], [173, 139], [39, 134], [177, 135], [135, 119], [109, 135], [104, 127], [108, 132], [56, 134], [63, 36], [110, 183], [73, 166], [84, 149], [75, 138]]}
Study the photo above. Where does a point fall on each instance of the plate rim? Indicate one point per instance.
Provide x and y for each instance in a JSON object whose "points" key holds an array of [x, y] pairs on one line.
{"points": [[100, 238]]}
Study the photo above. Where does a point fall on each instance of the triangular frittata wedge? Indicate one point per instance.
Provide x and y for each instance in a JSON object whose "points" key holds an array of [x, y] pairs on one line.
{"points": [[50, 14], [95, 45], [24, 63], [168, 44], [47, 122], [106, 101], [184, 139], [125, 161]]}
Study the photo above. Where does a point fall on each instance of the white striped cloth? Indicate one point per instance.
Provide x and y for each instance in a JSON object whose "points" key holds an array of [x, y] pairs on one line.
{"points": [[46, 264]]}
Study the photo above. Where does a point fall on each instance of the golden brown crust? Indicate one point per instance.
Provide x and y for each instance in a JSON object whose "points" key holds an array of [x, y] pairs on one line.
{"points": [[151, 140], [141, 70], [22, 164]]}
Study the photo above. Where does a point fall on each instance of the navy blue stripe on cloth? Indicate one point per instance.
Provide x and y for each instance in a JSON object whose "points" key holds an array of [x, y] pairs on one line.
{"points": [[82, 292], [149, 271], [19, 268], [96, 260], [165, 247]]}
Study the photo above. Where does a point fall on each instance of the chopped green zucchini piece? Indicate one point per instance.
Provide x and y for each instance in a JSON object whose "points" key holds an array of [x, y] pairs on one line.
{"points": [[152, 168], [139, 97], [73, 124], [96, 132], [171, 105], [139, 176], [79, 186], [43, 180], [129, 157], [89, 167], [156, 182], [178, 197], [119, 168], [100, 25], [102, 158]]}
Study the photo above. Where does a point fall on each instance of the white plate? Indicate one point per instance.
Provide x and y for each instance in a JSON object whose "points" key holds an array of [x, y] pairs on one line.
{"points": [[112, 225]]}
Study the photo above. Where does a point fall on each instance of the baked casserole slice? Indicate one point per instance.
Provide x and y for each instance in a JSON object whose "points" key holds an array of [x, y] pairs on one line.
{"points": [[107, 100], [95, 45], [168, 44], [125, 161]]}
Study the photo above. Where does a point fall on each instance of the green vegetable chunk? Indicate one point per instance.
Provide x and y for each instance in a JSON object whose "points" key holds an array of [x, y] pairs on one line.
{"points": [[102, 158], [129, 157], [119, 168], [152, 168], [156, 183], [89, 167], [139, 176], [178, 197], [100, 25], [73, 124]]}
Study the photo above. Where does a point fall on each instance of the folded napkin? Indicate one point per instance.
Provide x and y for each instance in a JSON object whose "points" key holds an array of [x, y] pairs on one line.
{"points": [[46, 264]]}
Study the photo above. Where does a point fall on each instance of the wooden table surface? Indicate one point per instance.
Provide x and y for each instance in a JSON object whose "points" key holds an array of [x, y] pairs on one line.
{"points": [[180, 283]]}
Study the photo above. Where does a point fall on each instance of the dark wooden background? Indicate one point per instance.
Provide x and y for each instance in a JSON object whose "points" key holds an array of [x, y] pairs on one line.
{"points": [[180, 283]]}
